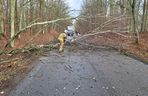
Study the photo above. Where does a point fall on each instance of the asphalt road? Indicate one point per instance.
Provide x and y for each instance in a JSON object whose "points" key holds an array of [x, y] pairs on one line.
{"points": [[85, 73]]}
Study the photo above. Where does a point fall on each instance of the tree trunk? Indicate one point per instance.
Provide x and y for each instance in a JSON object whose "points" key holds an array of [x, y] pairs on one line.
{"points": [[143, 17], [136, 34], [21, 15], [122, 6], [41, 2], [16, 17], [12, 21], [7, 20], [1, 19], [31, 14], [146, 18], [108, 9]]}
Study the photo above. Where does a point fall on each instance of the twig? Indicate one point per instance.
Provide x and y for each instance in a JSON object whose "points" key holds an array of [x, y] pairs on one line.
{"points": [[9, 60]]}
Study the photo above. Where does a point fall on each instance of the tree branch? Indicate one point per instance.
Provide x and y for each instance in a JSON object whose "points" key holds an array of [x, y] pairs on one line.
{"points": [[38, 23]]}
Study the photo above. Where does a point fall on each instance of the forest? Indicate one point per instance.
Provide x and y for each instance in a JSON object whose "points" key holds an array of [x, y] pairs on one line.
{"points": [[32, 16], [29, 29]]}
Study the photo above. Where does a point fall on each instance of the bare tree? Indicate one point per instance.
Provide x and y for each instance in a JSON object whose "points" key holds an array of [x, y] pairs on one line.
{"points": [[23, 13], [133, 7], [94, 15]]}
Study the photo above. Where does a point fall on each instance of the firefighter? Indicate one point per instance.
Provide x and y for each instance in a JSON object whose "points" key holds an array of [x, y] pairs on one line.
{"points": [[62, 38]]}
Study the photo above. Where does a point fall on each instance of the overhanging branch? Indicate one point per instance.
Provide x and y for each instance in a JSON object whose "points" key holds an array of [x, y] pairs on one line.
{"points": [[38, 23]]}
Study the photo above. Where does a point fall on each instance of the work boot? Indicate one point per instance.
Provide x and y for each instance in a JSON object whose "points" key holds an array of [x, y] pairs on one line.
{"points": [[61, 50]]}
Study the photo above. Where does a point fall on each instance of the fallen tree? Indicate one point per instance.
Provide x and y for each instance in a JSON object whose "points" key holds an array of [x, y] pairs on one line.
{"points": [[29, 49]]}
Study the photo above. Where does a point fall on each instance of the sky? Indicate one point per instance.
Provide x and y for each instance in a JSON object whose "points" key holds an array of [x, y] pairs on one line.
{"points": [[74, 5]]}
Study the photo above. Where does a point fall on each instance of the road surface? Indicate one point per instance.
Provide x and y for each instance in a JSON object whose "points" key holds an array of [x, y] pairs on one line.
{"points": [[85, 73]]}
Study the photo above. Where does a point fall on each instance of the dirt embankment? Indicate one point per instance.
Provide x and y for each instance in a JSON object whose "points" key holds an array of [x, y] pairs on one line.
{"points": [[123, 44]]}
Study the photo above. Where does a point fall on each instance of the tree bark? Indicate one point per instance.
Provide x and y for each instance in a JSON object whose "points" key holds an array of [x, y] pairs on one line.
{"points": [[1, 19], [12, 21], [143, 17], [136, 33], [146, 18], [31, 14], [21, 15]]}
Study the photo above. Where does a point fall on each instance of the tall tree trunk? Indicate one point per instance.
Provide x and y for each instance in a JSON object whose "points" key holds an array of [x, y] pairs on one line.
{"points": [[1, 19], [7, 17], [122, 4], [41, 2], [143, 16], [108, 8], [136, 34], [16, 16], [146, 18], [21, 15], [12, 22], [31, 14]]}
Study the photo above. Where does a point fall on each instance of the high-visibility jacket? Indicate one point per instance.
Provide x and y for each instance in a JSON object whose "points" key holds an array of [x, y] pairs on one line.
{"points": [[62, 36]]}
